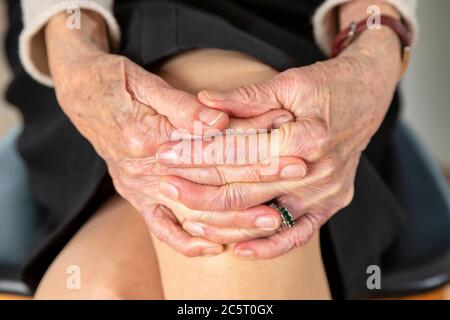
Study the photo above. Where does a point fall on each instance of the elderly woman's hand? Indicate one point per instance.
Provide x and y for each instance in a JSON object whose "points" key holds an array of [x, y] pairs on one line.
{"points": [[338, 106], [125, 112]]}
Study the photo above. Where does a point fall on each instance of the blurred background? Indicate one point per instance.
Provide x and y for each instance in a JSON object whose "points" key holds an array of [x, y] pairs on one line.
{"points": [[8, 117], [426, 86]]}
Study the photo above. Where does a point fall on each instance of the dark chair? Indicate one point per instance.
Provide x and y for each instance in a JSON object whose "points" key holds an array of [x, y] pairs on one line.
{"points": [[19, 217], [418, 262]]}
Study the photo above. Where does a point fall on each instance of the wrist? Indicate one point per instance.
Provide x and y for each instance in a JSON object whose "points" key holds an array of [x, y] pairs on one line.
{"points": [[381, 47], [379, 51], [358, 10], [64, 45]]}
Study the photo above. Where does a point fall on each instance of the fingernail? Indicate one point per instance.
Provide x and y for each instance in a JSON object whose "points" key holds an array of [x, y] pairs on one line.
{"points": [[211, 251], [293, 171], [281, 121], [194, 229], [169, 190], [210, 116], [213, 95], [266, 222], [245, 253], [167, 155]]}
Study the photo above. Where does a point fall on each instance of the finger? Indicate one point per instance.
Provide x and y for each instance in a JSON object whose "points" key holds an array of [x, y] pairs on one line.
{"points": [[244, 102], [224, 235], [284, 168], [181, 108], [234, 196], [270, 120], [259, 217], [146, 131], [234, 147], [166, 228], [280, 243]]}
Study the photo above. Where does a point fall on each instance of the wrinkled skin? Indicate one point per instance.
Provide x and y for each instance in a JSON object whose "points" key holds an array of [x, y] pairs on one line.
{"points": [[338, 105], [126, 112], [114, 115]]}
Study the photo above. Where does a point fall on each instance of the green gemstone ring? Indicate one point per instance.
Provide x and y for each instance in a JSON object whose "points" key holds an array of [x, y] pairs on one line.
{"points": [[287, 220]]}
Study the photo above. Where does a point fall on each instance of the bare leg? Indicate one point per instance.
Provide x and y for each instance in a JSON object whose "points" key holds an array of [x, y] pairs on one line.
{"points": [[296, 275], [115, 256]]}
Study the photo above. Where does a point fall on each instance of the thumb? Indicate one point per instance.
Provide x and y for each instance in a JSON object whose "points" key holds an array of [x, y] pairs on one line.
{"points": [[185, 111], [182, 109], [270, 120], [244, 102]]}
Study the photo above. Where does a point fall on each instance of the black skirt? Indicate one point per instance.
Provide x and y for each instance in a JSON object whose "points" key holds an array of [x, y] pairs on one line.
{"points": [[71, 181]]}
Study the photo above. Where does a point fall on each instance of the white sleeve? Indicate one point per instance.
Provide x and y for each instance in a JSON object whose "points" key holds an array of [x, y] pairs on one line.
{"points": [[324, 23], [32, 49]]}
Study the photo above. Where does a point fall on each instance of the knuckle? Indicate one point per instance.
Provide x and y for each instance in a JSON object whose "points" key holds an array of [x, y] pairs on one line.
{"points": [[131, 142], [188, 252], [254, 233], [207, 217], [292, 139], [334, 188], [223, 237], [181, 106], [253, 174], [233, 220], [311, 225], [327, 171], [287, 242], [234, 197], [254, 92], [219, 175], [340, 197], [298, 241], [122, 180], [347, 197], [227, 219], [290, 80], [132, 168], [318, 140], [247, 94], [161, 234], [182, 246], [307, 137], [142, 130], [135, 145]]}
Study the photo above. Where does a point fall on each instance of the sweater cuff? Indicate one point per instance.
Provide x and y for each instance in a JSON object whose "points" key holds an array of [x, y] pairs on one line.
{"points": [[32, 48], [325, 24]]}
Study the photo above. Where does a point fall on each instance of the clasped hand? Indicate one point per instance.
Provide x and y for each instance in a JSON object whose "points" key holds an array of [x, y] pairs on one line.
{"points": [[336, 109], [325, 115]]}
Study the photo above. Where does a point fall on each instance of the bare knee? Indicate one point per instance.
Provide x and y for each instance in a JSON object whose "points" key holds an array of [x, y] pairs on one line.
{"points": [[299, 274], [191, 70]]}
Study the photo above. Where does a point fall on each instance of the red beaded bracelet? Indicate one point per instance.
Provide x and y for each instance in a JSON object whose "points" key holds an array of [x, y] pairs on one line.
{"points": [[346, 36]]}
